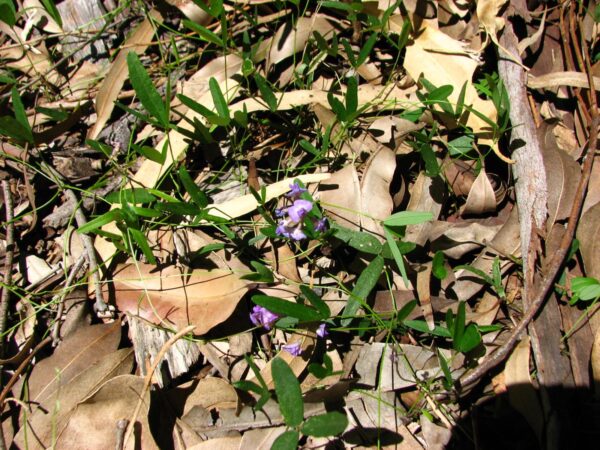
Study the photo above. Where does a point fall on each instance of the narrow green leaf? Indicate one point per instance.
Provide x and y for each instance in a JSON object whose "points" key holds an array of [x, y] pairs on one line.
{"points": [[337, 107], [53, 11], [151, 153], [262, 274], [351, 97], [179, 208], [471, 338], [266, 92], [10, 127], [145, 90], [218, 99], [57, 115], [460, 103], [366, 50], [197, 196], [316, 301], [396, 254], [99, 147], [142, 242], [288, 440], [20, 114], [211, 116], [459, 325], [421, 325], [204, 33], [323, 425], [438, 269], [349, 52], [289, 394], [363, 287], [134, 195], [404, 218], [100, 221], [448, 381], [286, 308], [406, 310]]}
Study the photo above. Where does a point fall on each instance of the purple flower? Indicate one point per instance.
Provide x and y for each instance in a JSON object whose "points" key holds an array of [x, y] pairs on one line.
{"points": [[322, 331], [293, 349], [279, 212], [299, 209], [295, 191], [321, 224], [282, 229], [262, 317], [297, 234]]}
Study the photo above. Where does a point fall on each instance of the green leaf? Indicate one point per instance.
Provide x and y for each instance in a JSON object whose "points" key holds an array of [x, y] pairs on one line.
{"points": [[461, 145], [471, 338], [197, 196], [289, 394], [211, 116], [396, 254], [363, 287], [179, 208], [53, 11], [218, 99], [448, 381], [366, 50], [586, 288], [10, 127], [134, 195], [286, 308], [20, 114], [404, 218], [421, 325], [145, 90], [460, 103], [8, 13], [316, 301], [262, 274], [151, 153], [100, 221], [438, 269], [351, 98], [459, 325], [406, 310], [266, 92], [288, 440], [57, 115], [337, 107], [365, 242], [350, 8], [323, 425], [204, 33], [142, 242]]}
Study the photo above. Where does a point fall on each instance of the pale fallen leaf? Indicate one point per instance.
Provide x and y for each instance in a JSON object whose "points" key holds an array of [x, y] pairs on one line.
{"points": [[47, 421], [116, 399], [556, 79], [118, 73], [204, 298], [212, 393], [456, 239], [589, 243], [481, 198], [221, 443], [38, 15], [340, 197], [427, 195]]}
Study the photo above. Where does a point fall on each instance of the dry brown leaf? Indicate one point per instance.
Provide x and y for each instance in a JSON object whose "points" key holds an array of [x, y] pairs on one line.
{"points": [[221, 443], [487, 13], [589, 241], [593, 193], [76, 353], [31, 63], [340, 197], [427, 195], [521, 393], [117, 74], [116, 399], [595, 360], [204, 298], [376, 202], [481, 198], [556, 79], [212, 392], [563, 174], [191, 11], [288, 41], [260, 438], [46, 421], [456, 239], [37, 14]]}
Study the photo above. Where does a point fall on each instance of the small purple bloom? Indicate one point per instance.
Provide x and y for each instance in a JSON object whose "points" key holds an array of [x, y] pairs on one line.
{"points": [[279, 212], [299, 209], [297, 234], [293, 349], [322, 331], [282, 229], [262, 317], [321, 224], [295, 191]]}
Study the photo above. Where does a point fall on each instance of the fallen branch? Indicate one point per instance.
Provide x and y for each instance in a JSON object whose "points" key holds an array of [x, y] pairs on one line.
{"points": [[8, 262]]}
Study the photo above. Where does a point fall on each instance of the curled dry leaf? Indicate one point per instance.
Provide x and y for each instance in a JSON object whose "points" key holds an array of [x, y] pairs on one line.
{"points": [[427, 195], [481, 198], [589, 242], [460, 175], [212, 392], [340, 197], [42, 426], [94, 419], [204, 298], [456, 239]]}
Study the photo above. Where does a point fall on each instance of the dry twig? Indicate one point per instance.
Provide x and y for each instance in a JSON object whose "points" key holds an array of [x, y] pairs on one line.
{"points": [[10, 251]]}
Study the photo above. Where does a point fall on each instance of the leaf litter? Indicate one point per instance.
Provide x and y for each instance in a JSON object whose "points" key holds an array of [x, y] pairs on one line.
{"points": [[313, 224]]}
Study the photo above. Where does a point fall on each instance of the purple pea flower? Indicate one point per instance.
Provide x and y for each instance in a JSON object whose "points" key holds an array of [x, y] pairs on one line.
{"points": [[262, 317], [282, 229], [293, 349], [297, 234], [299, 209], [322, 331], [321, 224], [279, 212], [295, 191]]}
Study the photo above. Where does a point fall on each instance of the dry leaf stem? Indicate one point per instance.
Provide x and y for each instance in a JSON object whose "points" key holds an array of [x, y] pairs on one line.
{"points": [[8, 261], [150, 374], [550, 272], [61, 299]]}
